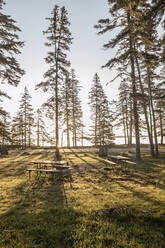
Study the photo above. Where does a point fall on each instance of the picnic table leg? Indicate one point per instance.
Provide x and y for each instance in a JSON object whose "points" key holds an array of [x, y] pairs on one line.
{"points": [[125, 164]]}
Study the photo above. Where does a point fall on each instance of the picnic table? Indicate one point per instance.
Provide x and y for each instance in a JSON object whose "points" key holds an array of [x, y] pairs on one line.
{"points": [[121, 159], [51, 167]]}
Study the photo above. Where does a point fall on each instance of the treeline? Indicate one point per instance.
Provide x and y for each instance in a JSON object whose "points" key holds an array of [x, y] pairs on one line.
{"points": [[33, 128], [134, 28], [63, 108]]}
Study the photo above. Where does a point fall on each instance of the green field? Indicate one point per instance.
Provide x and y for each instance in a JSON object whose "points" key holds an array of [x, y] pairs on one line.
{"points": [[42, 213]]}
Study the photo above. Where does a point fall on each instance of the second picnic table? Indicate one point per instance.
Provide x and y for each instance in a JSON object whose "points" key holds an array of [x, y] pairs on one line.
{"points": [[119, 159], [123, 160]]}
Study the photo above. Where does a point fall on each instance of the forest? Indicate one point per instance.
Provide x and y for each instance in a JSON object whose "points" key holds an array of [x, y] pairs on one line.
{"points": [[87, 190]]}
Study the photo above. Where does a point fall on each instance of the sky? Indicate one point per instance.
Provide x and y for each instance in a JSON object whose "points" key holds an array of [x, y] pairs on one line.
{"points": [[86, 55]]}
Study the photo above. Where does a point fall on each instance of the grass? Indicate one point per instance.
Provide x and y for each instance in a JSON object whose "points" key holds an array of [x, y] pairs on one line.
{"points": [[64, 213]]}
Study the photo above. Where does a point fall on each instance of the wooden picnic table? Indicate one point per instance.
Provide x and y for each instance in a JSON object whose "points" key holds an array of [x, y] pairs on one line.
{"points": [[123, 160], [120, 159], [51, 167]]}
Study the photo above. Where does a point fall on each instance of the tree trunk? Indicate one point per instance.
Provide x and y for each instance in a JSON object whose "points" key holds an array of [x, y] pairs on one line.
{"points": [[67, 134], [56, 99], [96, 128], [29, 134], [67, 116], [57, 127], [75, 136], [125, 138], [135, 111], [82, 137], [25, 124], [127, 123], [131, 123], [152, 111], [145, 109], [38, 132], [161, 127], [73, 117]]}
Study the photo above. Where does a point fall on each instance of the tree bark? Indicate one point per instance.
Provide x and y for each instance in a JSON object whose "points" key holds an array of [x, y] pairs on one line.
{"points": [[145, 109], [125, 137], [38, 133], [161, 127], [152, 111], [134, 92]]}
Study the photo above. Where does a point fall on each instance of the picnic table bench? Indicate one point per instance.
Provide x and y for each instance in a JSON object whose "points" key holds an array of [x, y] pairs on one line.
{"points": [[47, 171], [129, 162], [109, 162]]}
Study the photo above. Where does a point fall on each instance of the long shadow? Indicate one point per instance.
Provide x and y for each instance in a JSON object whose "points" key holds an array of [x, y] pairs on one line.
{"points": [[71, 163], [89, 164], [42, 216], [82, 174], [126, 220], [17, 166], [143, 177], [132, 177], [138, 176]]}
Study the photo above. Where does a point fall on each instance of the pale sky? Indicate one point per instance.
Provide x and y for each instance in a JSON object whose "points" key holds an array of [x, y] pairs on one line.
{"points": [[87, 55]]}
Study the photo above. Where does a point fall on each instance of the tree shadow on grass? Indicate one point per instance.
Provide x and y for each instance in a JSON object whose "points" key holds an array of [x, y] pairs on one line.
{"points": [[41, 216], [134, 175], [16, 166], [144, 173], [91, 165], [128, 228]]}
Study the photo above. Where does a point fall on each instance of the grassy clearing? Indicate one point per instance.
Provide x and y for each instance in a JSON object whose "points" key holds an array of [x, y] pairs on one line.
{"points": [[63, 213]]}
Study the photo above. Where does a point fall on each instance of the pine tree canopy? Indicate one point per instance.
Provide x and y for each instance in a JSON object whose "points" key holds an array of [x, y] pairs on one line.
{"points": [[10, 45]]}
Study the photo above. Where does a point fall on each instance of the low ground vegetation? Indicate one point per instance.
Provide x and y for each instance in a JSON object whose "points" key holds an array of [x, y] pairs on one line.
{"points": [[95, 206]]}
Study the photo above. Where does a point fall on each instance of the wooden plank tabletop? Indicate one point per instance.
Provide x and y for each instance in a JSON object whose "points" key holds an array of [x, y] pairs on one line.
{"points": [[57, 166], [46, 170], [49, 162], [120, 157]]}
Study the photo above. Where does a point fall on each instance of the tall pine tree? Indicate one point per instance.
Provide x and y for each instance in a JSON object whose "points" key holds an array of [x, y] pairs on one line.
{"points": [[76, 110], [26, 111], [59, 41], [10, 70], [102, 133]]}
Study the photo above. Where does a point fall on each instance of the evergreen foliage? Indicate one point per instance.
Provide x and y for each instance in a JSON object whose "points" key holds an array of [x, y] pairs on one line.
{"points": [[10, 71], [40, 128], [58, 41], [102, 133], [76, 110], [23, 122]]}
